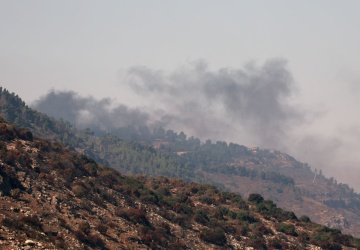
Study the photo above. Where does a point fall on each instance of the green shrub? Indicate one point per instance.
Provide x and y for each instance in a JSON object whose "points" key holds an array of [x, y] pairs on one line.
{"points": [[305, 218], [246, 216], [214, 236], [257, 242], [201, 217], [255, 198], [286, 228]]}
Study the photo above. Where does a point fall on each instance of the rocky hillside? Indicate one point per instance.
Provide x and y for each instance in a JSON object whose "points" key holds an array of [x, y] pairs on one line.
{"points": [[52, 198], [291, 184]]}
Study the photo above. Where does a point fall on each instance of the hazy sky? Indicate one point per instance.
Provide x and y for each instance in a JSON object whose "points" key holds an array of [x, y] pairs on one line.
{"points": [[208, 59]]}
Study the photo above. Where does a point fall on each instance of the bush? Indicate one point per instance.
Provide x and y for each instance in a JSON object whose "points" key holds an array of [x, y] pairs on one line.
{"points": [[25, 134], [78, 190], [201, 217], [178, 245], [255, 198], [213, 236], [286, 228], [33, 221], [15, 193], [165, 227], [182, 209], [305, 218], [95, 241], [261, 229], [133, 215], [276, 243], [343, 239], [84, 227], [12, 223], [102, 228], [246, 216], [257, 242]]}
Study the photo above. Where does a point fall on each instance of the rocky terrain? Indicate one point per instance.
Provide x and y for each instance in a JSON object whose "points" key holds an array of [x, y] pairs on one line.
{"points": [[306, 192], [53, 198], [293, 185]]}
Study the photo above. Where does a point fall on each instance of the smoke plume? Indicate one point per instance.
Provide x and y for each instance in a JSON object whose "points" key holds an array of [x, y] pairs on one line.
{"points": [[221, 104], [87, 112], [251, 106]]}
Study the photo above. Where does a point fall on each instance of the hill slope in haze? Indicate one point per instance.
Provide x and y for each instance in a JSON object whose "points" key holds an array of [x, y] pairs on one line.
{"points": [[275, 175], [53, 198]]}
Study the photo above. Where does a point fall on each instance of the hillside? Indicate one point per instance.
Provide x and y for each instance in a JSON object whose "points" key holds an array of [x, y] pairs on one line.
{"points": [[54, 198], [291, 184]]}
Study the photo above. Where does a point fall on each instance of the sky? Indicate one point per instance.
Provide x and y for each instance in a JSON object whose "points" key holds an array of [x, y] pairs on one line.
{"points": [[275, 74]]}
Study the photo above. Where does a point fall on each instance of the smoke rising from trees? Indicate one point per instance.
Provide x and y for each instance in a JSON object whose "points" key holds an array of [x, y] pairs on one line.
{"points": [[87, 112], [221, 105], [252, 106]]}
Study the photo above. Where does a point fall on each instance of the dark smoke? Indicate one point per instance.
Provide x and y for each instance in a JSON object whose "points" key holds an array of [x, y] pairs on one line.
{"points": [[249, 105], [253, 100], [87, 112]]}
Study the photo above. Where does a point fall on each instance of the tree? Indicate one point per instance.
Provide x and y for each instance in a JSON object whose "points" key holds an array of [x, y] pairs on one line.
{"points": [[255, 198]]}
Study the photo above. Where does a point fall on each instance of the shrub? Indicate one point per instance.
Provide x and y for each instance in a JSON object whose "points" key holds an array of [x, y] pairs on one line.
{"points": [[164, 191], [78, 190], [95, 241], [327, 245], [90, 168], [183, 221], [201, 217], [286, 228], [133, 215], [15, 193], [182, 209], [207, 200], [255, 198], [261, 229], [305, 218], [84, 227], [32, 220], [166, 227], [102, 228], [25, 134], [149, 198], [242, 230], [257, 242], [60, 242], [152, 238], [246, 216], [12, 223], [80, 236], [63, 224], [213, 236], [343, 239], [304, 237], [276, 243], [178, 245]]}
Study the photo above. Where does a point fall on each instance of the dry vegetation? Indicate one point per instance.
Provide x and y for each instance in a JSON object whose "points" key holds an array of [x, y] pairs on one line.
{"points": [[52, 198], [275, 175]]}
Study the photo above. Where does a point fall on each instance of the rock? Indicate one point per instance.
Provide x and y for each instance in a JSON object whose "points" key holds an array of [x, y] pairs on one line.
{"points": [[30, 243]]}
